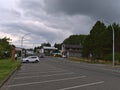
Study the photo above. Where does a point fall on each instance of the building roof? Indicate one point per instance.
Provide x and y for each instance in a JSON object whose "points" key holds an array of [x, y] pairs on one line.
{"points": [[18, 48], [53, 48], [72, 46]]}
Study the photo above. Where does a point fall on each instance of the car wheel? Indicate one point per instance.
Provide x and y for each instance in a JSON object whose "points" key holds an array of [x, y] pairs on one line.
{"points": [[36, 61], [27, 61]]}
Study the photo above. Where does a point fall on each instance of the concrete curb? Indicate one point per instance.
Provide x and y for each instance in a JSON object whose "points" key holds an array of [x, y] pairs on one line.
{"points": [[8, 77]]}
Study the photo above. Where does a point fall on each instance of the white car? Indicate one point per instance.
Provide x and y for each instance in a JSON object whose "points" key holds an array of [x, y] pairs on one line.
{"points": [[31, 59]]}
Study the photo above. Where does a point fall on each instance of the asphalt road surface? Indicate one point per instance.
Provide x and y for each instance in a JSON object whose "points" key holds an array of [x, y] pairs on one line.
{"points": [[60, 74]]}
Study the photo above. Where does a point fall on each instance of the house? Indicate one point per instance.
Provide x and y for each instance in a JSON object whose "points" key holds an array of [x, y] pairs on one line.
{"points": [[72, 50], [18, 51]]}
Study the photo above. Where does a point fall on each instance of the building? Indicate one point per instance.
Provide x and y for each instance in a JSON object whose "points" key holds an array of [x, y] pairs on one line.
{"points": [[47, 50], [72, 50], [18, 51]]}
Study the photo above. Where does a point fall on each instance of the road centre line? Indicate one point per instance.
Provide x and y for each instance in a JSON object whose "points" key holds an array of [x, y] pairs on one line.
{"points": [[24, 84], [44, 75], [84, 85], [39, 72]]}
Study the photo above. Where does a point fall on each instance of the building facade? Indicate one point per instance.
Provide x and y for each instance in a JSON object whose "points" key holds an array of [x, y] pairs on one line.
{"points": [[72, 50]]}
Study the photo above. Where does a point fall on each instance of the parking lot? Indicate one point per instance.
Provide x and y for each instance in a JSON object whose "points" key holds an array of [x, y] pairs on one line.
{"points": [[58, 74], [44, 76]]}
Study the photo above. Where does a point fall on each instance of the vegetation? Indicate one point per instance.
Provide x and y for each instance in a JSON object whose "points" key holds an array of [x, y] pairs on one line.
{"points": [[98, 43], [76, 59], [58, 45], [75, 39], [5, 47], [6, 67]]}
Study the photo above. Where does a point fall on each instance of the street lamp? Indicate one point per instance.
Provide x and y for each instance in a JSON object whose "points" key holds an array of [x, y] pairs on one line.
{"points": [[113, 45], [22, 44], [113, 58]]}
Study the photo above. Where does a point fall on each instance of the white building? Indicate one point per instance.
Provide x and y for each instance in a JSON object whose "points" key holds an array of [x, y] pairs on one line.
{"points": [[47, 50]]}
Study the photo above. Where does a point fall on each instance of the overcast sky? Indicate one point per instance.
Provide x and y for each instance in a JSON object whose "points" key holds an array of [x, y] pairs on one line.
{"points": [[53, 20]]}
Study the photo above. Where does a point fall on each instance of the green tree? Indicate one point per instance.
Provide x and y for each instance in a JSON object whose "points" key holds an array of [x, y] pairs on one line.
{"points": [[75, 39], [46, 44], [94, 42], [4, 46], [57, 45]]}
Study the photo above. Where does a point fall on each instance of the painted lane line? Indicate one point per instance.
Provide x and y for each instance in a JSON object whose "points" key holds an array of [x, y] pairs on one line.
{"points": [[38, 72], [24, 84], [84, 85], [44, 75]]}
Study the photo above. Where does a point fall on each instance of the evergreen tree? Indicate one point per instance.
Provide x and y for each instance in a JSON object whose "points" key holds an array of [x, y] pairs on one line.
{"points": [[57, 46], [94, 42]]}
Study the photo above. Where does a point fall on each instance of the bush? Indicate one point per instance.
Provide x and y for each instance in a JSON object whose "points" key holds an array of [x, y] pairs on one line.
{"points": [[1, 55], [117, 57], [109, 57], [58, 55]]}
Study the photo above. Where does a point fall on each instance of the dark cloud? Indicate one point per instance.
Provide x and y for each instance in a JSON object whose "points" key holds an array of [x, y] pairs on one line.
{"points": [[41, 10], [54, 20], [103, 9]]}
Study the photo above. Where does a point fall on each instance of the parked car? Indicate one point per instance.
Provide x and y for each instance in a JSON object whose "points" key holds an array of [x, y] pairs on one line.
{"points": [[31, 59]]}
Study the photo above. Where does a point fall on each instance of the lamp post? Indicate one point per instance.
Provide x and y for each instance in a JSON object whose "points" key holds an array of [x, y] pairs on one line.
{"points": [[113, 43], [22, 44]]}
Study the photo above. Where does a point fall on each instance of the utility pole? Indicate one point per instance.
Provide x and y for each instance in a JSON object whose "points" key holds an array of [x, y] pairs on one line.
{"points": [[22, 45], [113, 48], [113, 45]]}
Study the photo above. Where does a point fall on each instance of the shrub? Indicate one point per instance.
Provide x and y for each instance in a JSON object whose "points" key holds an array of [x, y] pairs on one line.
{"points": [[109, 57]]}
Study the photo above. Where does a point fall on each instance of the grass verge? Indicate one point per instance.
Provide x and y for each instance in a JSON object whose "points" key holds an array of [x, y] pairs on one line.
{"points": [[6, 67], [89, 60]]}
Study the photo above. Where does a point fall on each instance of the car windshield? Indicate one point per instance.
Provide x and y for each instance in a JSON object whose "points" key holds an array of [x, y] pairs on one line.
{"points": [[33, 57]]}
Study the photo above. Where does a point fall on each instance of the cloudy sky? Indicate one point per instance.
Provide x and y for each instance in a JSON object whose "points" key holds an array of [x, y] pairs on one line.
{"points": [[53, 20]]}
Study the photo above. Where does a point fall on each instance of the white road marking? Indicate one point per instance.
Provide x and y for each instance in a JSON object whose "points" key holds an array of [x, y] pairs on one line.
{"points": [[84, 85], [44, 75], [24, 84], [39, 72]]}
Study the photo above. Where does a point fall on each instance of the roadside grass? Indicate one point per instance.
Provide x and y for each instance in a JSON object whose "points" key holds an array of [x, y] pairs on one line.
{"points": [[90, 60], [6, 67]]}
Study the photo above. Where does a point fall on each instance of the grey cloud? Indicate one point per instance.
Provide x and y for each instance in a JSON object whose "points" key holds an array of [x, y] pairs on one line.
{"points": [[54, 20], [55, 13], [9, 14], [37, 31], [57, 20], [102, 9]]}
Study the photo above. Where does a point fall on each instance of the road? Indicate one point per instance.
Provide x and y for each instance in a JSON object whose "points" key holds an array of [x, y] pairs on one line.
{"points": [[60, 74]]}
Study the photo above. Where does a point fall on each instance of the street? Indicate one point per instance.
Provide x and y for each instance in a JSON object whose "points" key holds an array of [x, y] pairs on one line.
{"points": [[60, 74]]}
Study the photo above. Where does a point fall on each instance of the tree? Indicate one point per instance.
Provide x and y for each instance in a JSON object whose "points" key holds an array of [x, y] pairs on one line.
{"points": [[75, 39], [94, 42], [4, 46], [117, 37], [57, 46], [46, 44], [99, 42]]}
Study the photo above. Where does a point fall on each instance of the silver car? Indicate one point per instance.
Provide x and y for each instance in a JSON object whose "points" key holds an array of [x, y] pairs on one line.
{"points": [[31, 59]]}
